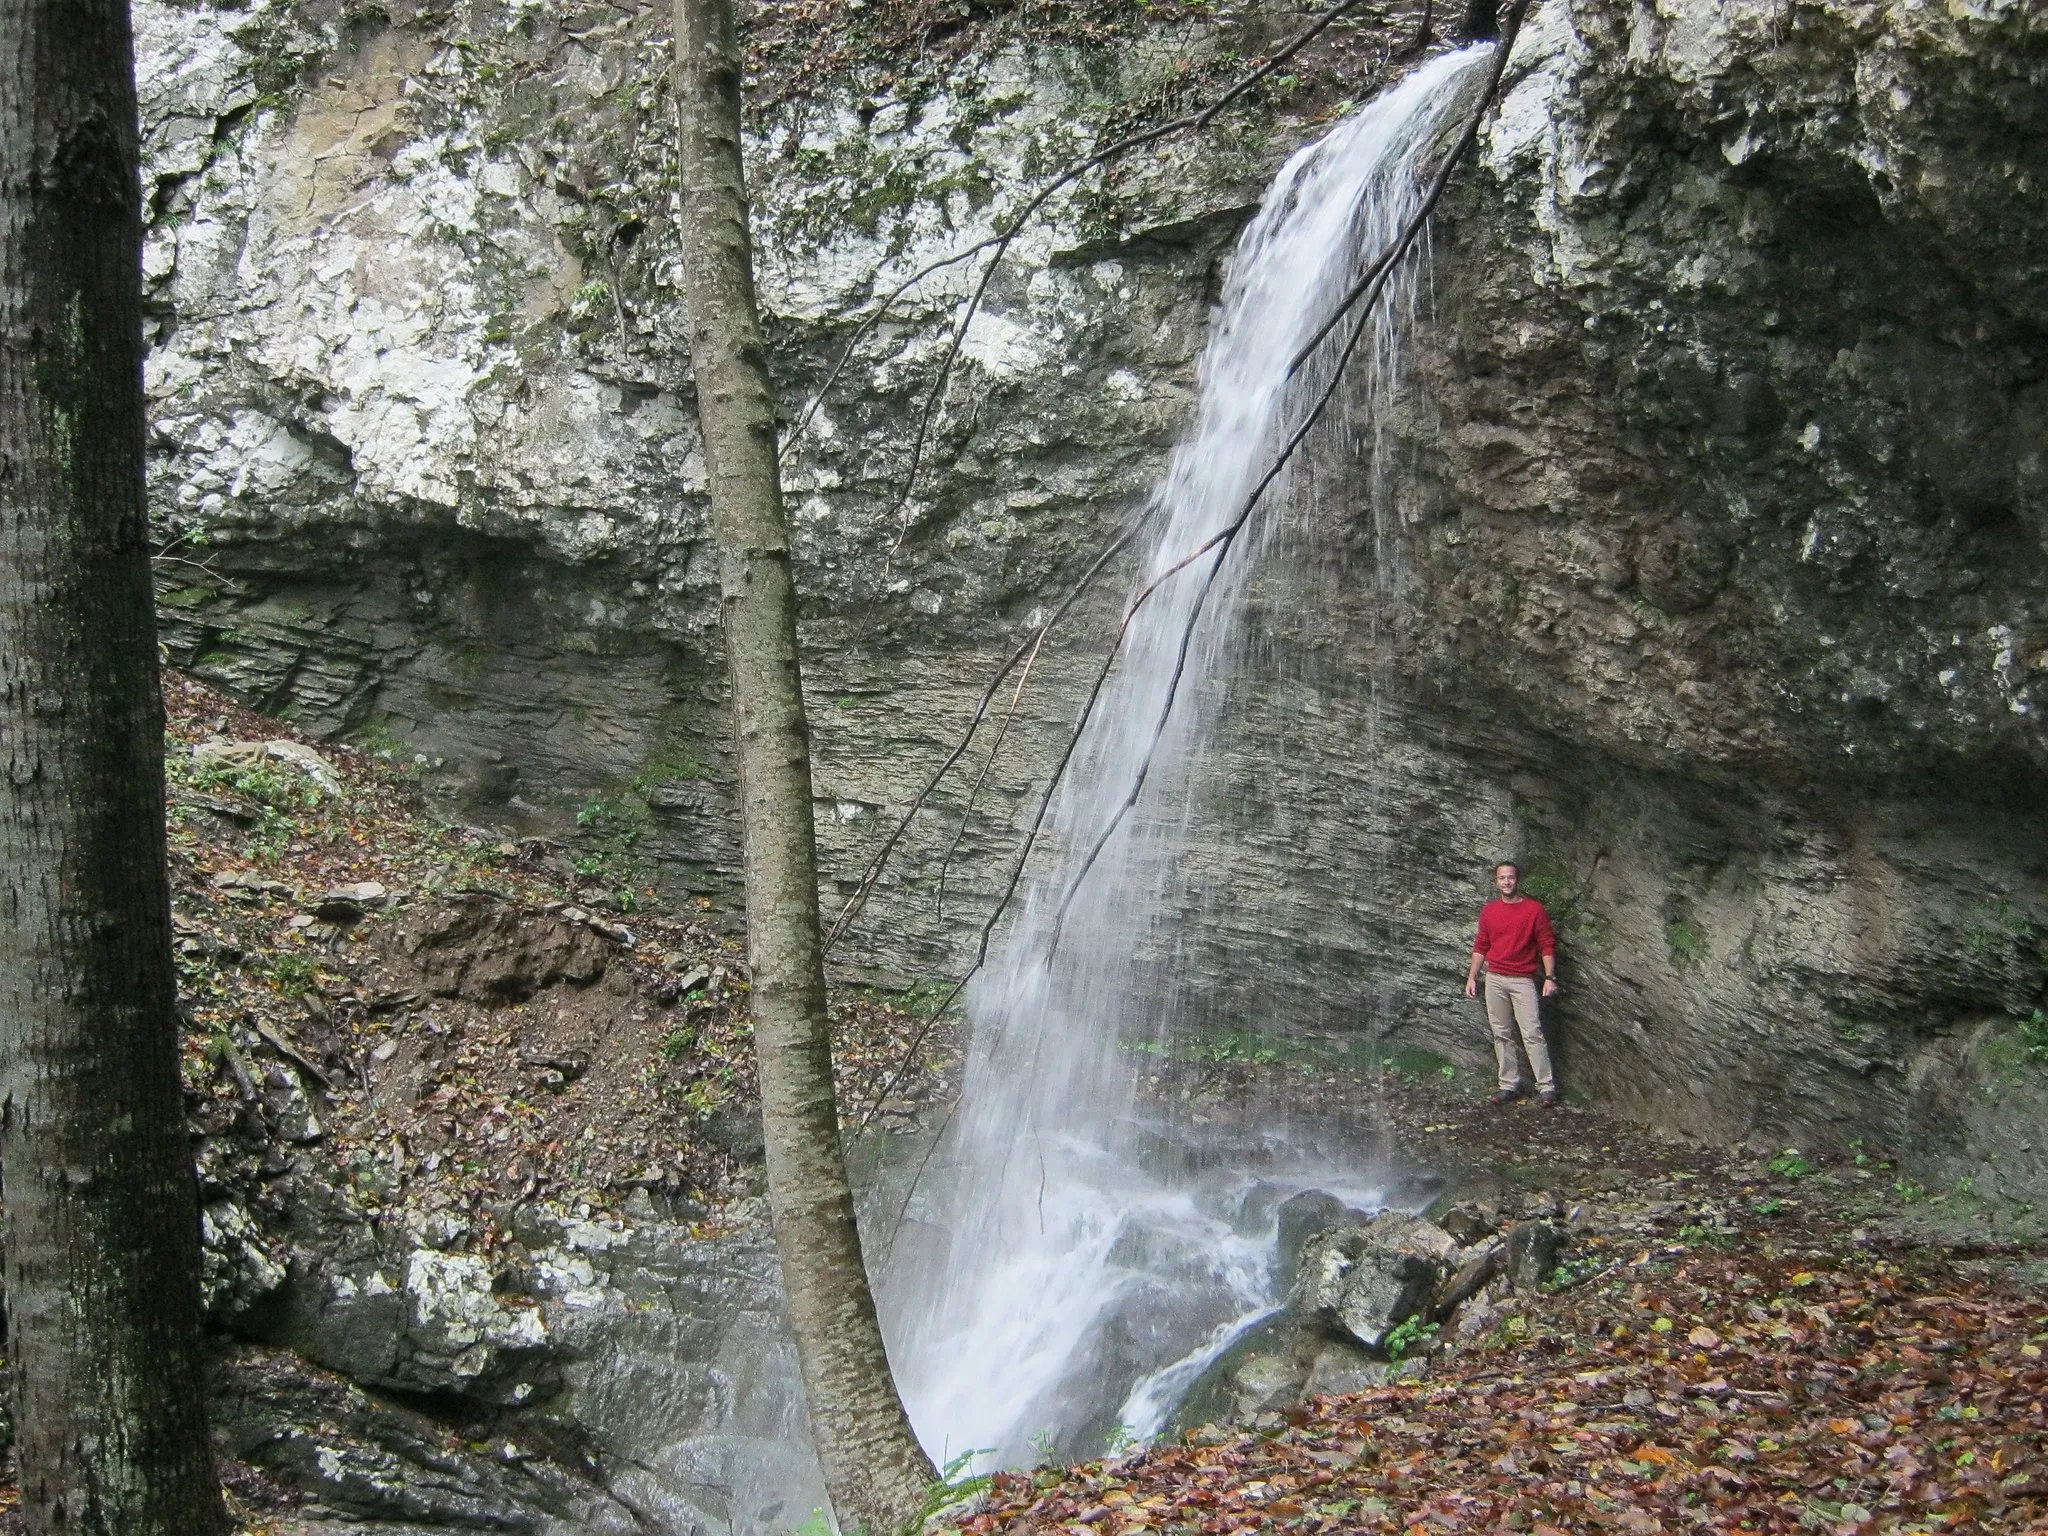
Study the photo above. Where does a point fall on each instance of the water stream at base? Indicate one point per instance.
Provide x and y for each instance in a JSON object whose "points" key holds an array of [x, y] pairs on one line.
{"points": [[1075, 1256]]}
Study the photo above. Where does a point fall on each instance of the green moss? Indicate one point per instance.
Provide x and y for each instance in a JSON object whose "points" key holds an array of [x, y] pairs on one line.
{"points": [[1687, 942], [377, 735], [1994, 925], [670, 761]]}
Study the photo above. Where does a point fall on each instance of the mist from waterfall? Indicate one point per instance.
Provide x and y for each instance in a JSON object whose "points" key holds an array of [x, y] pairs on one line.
{"points": [[1073, 1255]]}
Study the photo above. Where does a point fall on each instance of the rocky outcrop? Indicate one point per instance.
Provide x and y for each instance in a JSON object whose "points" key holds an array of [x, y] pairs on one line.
{"points": [[1368, 1298], [612, 1375], [1710, 586]]}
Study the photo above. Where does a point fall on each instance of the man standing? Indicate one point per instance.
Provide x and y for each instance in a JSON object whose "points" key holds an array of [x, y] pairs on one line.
{"points": [[1514, 936]]}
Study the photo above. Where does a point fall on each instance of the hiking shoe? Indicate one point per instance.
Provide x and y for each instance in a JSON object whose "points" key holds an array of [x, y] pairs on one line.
{"points": [[1548, 1101], [1505, 1097]]}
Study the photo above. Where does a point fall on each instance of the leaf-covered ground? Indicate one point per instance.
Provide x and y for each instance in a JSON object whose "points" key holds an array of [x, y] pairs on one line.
{"points": [[1755, 1376]]}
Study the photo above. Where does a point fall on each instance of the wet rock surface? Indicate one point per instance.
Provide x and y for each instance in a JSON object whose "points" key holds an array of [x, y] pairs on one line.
{"points": [[1361, 1282]]}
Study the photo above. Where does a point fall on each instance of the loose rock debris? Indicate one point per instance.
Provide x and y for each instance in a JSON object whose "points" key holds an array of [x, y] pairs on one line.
{"points": [[449, 1016]]}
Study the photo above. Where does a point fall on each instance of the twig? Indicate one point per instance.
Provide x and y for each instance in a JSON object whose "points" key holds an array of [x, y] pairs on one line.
{"points": [[1221, 543], [1424, 36], [1372, 276], [988, 762], [276, 1040], [988, 928]]}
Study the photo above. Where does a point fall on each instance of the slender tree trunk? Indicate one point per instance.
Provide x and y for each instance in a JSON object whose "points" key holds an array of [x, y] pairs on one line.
{"points": [[874, 1469], [102, 1221]]}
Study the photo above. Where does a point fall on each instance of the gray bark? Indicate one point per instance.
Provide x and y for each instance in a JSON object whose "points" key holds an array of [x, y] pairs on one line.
{"points": [[875, 1471], [102, 1223]]}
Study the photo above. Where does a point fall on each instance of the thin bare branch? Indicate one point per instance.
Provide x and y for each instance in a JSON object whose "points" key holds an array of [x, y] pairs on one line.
{"points": [[988, 928], [1375, 273], [988, 762], [854, 903], [1002, 238], [1362, 296]]}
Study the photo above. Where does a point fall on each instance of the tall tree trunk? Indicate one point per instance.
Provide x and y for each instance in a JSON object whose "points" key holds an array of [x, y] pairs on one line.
{"points": [[874, 1469], [102, 1219]]}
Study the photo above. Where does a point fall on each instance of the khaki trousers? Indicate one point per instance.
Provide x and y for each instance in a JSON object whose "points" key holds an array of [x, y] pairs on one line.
{"points": [[1511, 1005]]}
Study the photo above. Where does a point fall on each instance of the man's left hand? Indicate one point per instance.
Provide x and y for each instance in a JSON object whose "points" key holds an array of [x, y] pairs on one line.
{"points": [[1550, 986]]}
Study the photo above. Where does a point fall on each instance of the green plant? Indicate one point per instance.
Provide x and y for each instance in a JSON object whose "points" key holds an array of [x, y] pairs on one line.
{"points": [[1411, 1333], [1240, 1050], [1789, 1164], [1993, 923], [923, 998], [1045, 1449], [702, 1098], [956, 1482], [292, 974], [611, 831], [1909, 1190], [378, 737], [2034, 1035], [676, 1044], [668, 763], [1687, 942], [1573, 1271], [1770, 1205]]}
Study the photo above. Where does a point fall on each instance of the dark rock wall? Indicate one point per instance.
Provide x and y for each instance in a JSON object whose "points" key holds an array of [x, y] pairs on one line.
{"points": [[1728, 539]]}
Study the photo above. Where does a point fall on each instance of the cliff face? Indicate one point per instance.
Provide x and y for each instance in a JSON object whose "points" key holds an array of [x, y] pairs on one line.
{"points": [[1730, 538], [1713, 588]]}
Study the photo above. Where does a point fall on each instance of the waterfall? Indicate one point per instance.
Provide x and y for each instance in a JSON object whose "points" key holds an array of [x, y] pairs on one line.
{"points": [[1074, 1255]]}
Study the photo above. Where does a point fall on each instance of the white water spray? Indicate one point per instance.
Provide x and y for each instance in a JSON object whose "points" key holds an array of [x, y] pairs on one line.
{"points": [[1074, 1260]]}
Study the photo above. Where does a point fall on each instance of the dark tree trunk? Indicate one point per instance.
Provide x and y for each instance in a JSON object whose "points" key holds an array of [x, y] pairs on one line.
{"points": [[102, 1223], [874, 1470]]}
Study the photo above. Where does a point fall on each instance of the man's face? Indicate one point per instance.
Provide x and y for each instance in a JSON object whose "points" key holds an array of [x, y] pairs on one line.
{"points": [[1506, 878]]}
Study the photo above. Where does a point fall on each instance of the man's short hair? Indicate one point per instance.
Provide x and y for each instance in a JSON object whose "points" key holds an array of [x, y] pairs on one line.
{"points": [[1507, 864]]}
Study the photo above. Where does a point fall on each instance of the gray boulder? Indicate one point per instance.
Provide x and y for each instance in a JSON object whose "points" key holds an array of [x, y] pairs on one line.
{"points": [[1361, 1282], [1301, 1218]]}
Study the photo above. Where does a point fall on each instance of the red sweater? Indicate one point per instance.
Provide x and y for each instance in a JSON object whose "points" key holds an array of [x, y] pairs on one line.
{"points": [[1512, 934]]}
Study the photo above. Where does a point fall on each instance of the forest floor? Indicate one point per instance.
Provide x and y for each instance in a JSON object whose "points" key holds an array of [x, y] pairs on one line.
{"points": [[1731, 1342], [488, 1024], [1772, 1342]]}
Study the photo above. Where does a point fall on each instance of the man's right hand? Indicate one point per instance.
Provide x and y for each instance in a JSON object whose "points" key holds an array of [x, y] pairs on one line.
{"points": [[1471, 986]]}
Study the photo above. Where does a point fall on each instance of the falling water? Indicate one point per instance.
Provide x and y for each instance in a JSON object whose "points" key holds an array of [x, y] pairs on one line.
{"points": [[1074, 1257]]}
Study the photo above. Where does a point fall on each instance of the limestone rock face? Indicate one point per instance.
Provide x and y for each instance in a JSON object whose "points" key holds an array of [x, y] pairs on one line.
{"points": [[1723, 579], [1713, 585]]}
